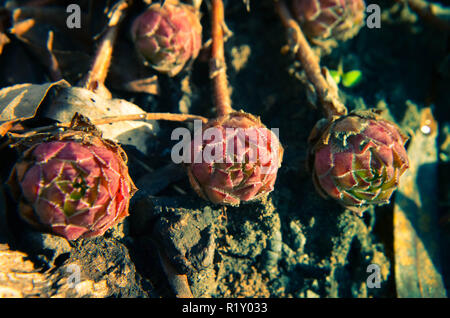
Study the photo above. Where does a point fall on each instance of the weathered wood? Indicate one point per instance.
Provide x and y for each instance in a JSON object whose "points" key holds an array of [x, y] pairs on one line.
{"points": [[417, 261]]}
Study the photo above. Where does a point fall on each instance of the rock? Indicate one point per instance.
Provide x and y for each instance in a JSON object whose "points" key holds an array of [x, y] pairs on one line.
{"points": [[19, 277], [300, 239], [45, 248], [311, 294]]}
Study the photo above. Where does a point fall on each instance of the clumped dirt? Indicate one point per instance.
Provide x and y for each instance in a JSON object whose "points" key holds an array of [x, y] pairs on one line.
{"points": [[294, 243]]}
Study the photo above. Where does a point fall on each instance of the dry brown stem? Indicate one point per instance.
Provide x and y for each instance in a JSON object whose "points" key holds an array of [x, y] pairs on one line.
{"points": [[96, 77], [435, 14], [178, 281], [327, 94], [114, 119], [218, 68]]}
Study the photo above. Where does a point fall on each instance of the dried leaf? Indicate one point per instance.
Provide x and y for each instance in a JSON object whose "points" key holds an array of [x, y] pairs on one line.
{"points": [[20, 102], [75, 99], [417, 262]]}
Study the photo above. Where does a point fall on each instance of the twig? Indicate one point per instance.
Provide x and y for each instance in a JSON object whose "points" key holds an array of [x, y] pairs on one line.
{"points": [[247, 4], [149, 116], [115, 119], [178, 281], [54, 69], [197, 4], [327, 94], [4, 17], [218, 67], [96, 77], [435, 14]]}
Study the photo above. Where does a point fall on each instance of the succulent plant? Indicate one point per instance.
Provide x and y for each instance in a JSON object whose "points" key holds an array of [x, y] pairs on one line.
{"points": [[167, 36], [321, 19], [237, 160], [358, 160], [73, 183]]}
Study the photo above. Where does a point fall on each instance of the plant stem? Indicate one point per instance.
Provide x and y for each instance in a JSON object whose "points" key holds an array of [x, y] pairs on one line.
{"points": [[435, 14], [119, 118], [178, 281], [218, 67], [96, 77], [197, 4], [148, 116], [55, 72], [328, 95]]}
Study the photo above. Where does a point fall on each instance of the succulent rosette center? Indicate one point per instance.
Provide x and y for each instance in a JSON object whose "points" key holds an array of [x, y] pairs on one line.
{"points": [[74, 188], [358, 160], [237, 160]]}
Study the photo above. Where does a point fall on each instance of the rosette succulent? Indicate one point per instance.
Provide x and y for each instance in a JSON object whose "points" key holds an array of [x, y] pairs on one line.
{"points": [[358, 160], [236, 160], [321, 19], [167, 36], [73, 184]]}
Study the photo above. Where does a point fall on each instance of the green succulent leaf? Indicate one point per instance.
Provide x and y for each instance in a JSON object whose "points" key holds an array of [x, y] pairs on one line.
{"points": [[351, 78], [336, 75]]}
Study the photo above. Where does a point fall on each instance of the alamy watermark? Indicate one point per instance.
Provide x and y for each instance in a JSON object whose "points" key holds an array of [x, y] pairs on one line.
{"points": [[374, 279], [75, 275], [227, 145], [73, 20], [373, 18]]}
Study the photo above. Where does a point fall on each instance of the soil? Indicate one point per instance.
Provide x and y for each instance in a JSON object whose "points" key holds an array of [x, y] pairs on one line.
{"points": [[292, 244]]}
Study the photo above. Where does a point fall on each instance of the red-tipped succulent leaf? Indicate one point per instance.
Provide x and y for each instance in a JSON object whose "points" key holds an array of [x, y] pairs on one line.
{"points": [[237, 161], [358, 160]]}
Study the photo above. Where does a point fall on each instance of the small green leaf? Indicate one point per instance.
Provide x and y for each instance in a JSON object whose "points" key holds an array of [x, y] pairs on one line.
{"points": [[351, 78], [336, 75], [76, 195]]}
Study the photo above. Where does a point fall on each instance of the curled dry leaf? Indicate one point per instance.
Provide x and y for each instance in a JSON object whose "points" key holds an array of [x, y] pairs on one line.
{"points": [[74, 99], [21, 102]]}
